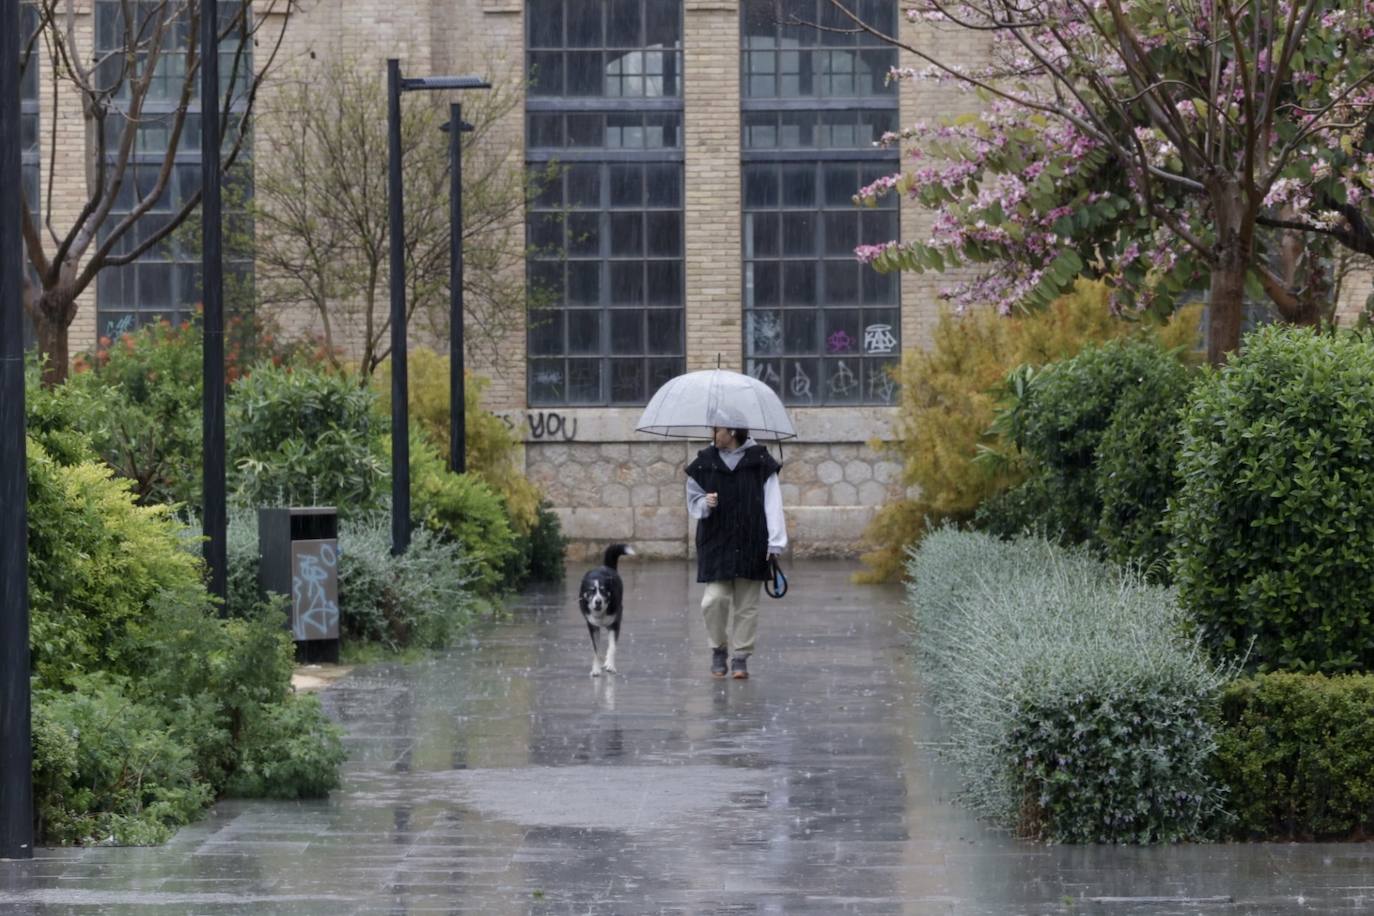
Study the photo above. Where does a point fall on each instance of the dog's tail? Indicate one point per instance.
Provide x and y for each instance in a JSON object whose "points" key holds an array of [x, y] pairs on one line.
{"points": [[615, 552]]}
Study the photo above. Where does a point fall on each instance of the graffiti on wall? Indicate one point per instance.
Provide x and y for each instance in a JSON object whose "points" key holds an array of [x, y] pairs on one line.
{"points": [[542, 425]]}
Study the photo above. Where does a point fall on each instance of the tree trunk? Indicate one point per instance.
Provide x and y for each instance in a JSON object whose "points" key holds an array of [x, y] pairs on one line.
{"points": [[1226, 299], [51, 323]]}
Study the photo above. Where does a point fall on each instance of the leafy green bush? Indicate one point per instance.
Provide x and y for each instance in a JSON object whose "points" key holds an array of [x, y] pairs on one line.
{"points": [[305, 437], [1297, 754], [1099, 433], [141, 405], [949, 398], [96, 560], [289, 750], [1078, 713], [108, 769], [147, 704], [461, 508], [424, 597], [1272, 535], [543, 548]]}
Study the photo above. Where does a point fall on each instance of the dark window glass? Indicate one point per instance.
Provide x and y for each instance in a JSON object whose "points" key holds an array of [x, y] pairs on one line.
{"points": [[612, 227], [164, 283]]}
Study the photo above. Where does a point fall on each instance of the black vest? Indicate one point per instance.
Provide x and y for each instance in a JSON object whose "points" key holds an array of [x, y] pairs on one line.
{"points": [[732, 542]]}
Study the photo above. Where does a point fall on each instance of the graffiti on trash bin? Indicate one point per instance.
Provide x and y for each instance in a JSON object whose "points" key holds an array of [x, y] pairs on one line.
{"points": [[314, 590]]}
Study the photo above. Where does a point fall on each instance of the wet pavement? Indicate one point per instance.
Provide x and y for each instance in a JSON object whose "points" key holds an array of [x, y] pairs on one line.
{"points": [[500, 778]]}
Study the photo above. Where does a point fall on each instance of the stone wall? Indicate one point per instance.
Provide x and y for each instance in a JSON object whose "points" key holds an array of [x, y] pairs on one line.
{"points": [[608, 483]]}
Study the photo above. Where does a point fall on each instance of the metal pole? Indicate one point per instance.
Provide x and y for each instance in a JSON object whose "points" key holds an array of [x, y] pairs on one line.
{"points": [[216, 519], [458, 440], [16, 747], [400, 440]]}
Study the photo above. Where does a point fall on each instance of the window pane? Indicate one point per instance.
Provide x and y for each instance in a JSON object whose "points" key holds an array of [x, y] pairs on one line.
{"points": [[584, 331], [801, 379], [841, 233], [584, 234], [627, 381], [661, 370], [586, 130], [584, 186], [763, 333], [665, 282], [665, 331], [799, 234], [627, 234], [584, 23], [877, 288], [662, 23], [880, 379], [625, 131], [762, 235], [627, 282], [798, 186], [548, 384], [762, 283], [760, 186], [627, 332], [798, 283], [842, 331], [623, 24], [627, 185], [584, 282], [664, 185], [841, 282], [799, 330], [545, 18], [545, 333], [584, 381], [664, 231], [546, 231], [546, 73], [843, 384], [584, 73]]}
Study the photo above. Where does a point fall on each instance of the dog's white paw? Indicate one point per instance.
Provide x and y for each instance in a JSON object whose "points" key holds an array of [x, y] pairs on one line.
{"points": [[609, 668], [596, 670]]}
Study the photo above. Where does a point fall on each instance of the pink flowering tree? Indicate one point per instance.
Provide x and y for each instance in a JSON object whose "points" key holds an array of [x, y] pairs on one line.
{"points": [[1166, 146]]}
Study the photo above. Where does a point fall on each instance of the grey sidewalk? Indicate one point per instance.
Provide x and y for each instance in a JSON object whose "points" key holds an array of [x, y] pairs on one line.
{"points": [[501, 779]]}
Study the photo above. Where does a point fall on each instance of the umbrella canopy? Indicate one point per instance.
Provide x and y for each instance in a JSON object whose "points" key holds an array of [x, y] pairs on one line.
{"points": [[688, 406]]}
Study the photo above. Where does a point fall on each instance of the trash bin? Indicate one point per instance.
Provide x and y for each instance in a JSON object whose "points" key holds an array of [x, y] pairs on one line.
{"points": [[298, 556]]}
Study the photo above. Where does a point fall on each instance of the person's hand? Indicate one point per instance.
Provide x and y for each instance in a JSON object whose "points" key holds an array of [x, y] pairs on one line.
{"points": [[712, 499]]}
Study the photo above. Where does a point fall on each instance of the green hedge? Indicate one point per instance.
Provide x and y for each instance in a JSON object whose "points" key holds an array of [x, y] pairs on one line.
{"points": [[1099, 433], [1078, 711], [1274, 520], [1297, 754]]}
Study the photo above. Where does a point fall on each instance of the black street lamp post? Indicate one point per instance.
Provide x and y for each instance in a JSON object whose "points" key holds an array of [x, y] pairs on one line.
{"points": [[400, 385], [16, 763], [457, 401], [216, 519]]}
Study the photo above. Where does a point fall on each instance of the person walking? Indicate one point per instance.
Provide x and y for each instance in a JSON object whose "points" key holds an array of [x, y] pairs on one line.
{"points": [[733, 492]]}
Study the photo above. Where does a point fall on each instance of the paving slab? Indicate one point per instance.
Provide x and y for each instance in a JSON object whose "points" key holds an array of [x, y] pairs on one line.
{"points": [[499, 778]]}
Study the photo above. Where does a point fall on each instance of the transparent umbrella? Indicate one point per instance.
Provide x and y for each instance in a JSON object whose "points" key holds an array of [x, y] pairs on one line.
{"points": [[689, 405]]}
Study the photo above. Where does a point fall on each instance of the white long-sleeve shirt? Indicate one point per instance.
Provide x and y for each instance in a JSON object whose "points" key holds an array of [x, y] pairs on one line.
{"points": [[772, 499]]}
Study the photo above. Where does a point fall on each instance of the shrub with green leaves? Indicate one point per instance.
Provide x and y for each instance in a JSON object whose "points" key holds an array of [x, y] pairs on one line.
{"points": [[141, 405], [423, 597], [147, 704], [544, 547], [1078, 711], [1296, 752], [464, 509], [1099, 433], [1273, 541], [305, 437]]}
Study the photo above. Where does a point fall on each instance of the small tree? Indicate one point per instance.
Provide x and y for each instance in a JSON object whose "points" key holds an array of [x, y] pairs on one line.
{"points": [[321, 211], [145, 51], [1162, 144]]}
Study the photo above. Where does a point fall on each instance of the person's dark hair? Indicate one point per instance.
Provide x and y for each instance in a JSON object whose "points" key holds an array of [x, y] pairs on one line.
{"points": [[741, 435]]}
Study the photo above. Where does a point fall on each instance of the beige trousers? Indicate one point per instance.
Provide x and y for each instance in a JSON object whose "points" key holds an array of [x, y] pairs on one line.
{"points": [[741, 596]]}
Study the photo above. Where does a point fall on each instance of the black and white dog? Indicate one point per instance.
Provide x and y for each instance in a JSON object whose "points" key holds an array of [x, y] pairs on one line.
{"points": [[601, 600]]}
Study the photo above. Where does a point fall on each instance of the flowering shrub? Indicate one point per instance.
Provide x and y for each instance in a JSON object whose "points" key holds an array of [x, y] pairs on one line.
{"points": [[1077, 710]]}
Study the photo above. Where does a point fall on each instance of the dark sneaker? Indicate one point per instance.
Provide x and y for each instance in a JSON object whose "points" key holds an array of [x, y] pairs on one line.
{"points": [[718, 662], [739, 667]]}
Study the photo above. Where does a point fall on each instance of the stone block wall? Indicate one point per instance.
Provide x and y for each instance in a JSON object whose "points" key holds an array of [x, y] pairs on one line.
{"points": [[608, 483]]}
